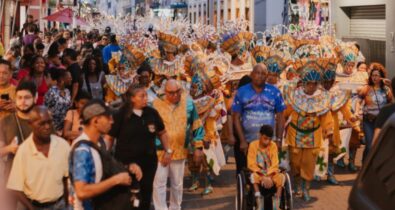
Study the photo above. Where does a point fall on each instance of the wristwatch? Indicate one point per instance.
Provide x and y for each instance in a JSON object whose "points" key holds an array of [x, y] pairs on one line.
{"points": [[169, 151]]}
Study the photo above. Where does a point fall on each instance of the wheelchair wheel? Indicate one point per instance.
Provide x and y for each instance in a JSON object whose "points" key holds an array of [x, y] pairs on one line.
{"points": [[286, 201], [240, 194]]}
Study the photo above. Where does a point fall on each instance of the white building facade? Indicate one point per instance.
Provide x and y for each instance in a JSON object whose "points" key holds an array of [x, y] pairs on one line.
{"points": [[260, 14], [372, 24], [216, 12]]}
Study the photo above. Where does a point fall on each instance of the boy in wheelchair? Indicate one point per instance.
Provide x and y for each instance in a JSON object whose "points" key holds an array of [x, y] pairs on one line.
{"points": [[262, 161]]}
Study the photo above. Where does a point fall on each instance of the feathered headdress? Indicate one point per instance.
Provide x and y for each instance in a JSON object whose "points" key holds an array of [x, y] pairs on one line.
{"points": [[328, 66], [210, 69], [307, 49], [275, 61], [329, 47], [235, 39], [349, 52], [284, 43], [308, 69], [206, 35]]}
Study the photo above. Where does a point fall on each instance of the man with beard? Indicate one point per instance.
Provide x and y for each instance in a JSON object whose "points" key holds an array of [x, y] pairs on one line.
{"points": [[38, 178], [14, 128]]}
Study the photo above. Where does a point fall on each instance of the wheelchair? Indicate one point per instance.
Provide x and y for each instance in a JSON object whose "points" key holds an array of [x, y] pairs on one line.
{"points": [[245, 198]]}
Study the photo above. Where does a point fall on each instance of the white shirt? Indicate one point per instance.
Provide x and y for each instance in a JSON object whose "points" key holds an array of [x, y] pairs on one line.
{"points": [[39, 177]]}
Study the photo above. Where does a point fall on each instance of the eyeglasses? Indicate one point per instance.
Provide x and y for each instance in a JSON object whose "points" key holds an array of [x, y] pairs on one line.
{"points": [[173, 93]]}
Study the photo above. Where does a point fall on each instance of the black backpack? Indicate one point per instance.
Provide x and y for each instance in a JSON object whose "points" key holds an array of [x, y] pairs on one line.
{"points": [[117, 197]]}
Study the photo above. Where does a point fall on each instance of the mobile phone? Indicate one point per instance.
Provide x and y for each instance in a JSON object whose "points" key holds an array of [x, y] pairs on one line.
{"points": [[5, 97]]}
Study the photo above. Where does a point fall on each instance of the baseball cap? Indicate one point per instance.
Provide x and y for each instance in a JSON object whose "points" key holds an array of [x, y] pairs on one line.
{"points": [[94, 108]]}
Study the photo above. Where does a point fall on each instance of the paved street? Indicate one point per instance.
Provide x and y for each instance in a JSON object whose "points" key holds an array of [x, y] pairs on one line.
{"points": [[324, 196]]}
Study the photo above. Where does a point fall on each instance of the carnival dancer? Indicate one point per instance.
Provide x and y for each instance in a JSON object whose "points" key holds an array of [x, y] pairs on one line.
{"points": [[209, 101], [166, 60], [311, 122], [122, 66], [236, 40], [349, 79], [340, 107]]}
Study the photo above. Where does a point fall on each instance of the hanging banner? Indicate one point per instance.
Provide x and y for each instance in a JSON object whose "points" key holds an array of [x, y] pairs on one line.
{"points": [[309, 12]]}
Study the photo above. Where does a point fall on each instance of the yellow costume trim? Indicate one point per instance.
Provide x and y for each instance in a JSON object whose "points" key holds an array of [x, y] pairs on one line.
{"points": [[317, 104], [169, 42], [233, 45], [197, 124], [175, 121]]}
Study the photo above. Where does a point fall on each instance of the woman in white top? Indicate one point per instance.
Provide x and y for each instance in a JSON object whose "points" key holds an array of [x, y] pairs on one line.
{"points": [[93, 77]]}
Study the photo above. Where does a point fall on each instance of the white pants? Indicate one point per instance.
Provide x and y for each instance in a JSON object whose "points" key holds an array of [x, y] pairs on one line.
{"points": [[175, 170]]}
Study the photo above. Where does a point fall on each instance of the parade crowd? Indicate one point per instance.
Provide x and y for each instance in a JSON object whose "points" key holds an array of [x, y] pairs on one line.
{"points": [[102, 119]]}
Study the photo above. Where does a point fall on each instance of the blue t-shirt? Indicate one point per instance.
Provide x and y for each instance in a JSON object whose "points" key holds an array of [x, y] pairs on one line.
{"points": [[83, 169], [108, 50], [257, 109]]}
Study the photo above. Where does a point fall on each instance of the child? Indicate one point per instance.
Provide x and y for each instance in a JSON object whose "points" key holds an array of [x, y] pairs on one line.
{"points": [[262, 159]]}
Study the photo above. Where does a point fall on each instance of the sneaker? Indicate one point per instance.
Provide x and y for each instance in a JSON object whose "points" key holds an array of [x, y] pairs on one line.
{"points": [[207, 190], [305, 191], [194, 186], [332, 180], [340, 163], [306, 195], [352, 167]]}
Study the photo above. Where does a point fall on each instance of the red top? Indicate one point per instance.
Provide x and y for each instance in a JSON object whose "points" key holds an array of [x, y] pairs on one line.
{"points": [[14, 82], [42, 89], [22, 73]]}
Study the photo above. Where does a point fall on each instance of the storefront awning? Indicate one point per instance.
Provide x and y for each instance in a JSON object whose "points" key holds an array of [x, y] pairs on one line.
{"points": [[178, 5]]}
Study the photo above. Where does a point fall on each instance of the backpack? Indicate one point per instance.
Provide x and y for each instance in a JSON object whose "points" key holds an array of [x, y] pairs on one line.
{"points": [[117, 197]]}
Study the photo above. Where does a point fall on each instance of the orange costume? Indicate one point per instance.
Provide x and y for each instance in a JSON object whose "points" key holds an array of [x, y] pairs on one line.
{"points": [[310, 122], [263, 161]]}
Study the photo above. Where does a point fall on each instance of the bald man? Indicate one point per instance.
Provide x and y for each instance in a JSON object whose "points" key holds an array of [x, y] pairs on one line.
{"points": [[181, 121], [40, 168], [256, 104]]}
